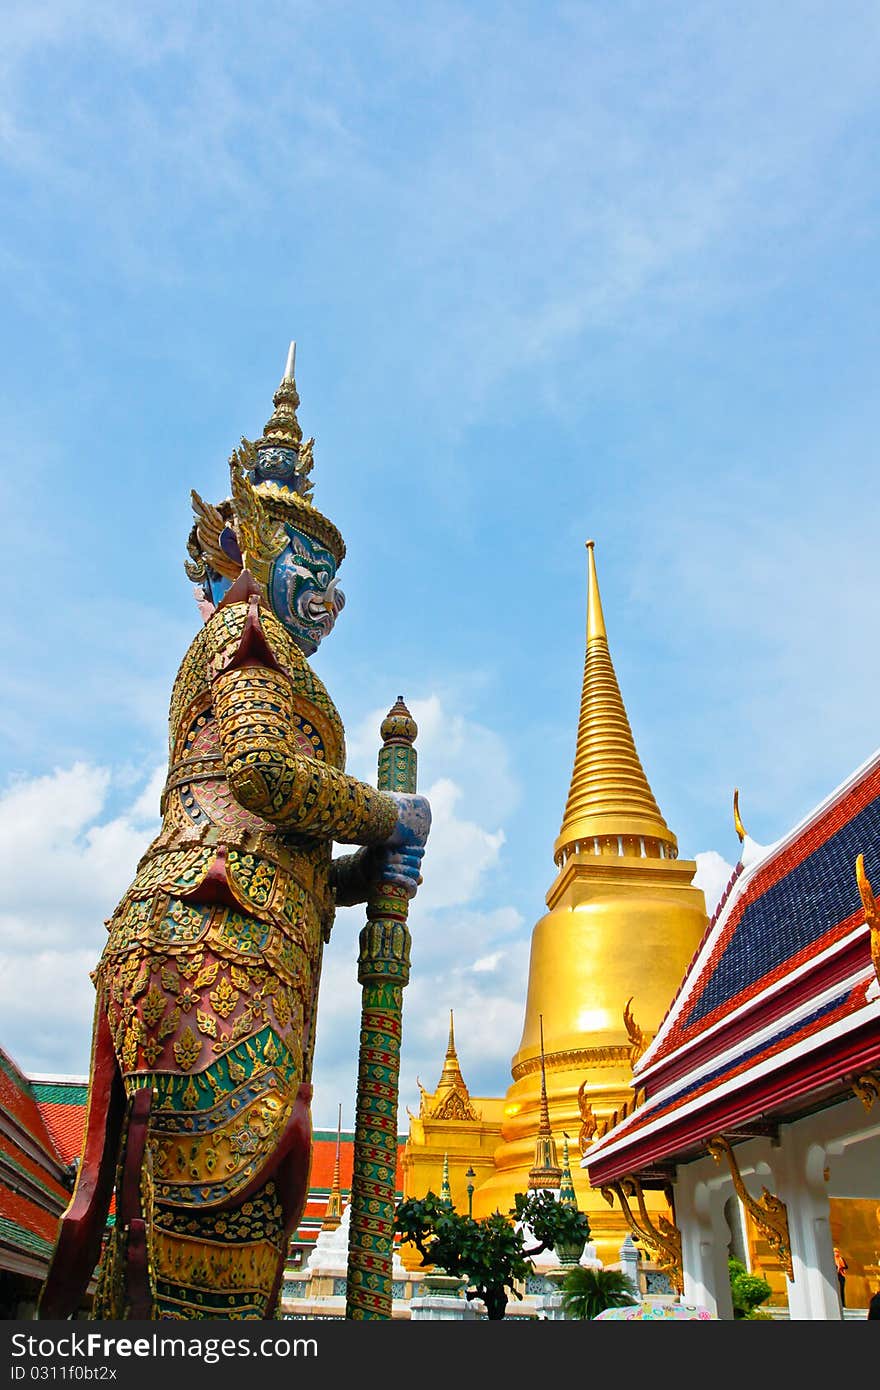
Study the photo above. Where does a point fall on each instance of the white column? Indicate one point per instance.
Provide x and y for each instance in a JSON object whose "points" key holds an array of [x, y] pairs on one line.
{"points": [[699, 1212], [798, 1169]]}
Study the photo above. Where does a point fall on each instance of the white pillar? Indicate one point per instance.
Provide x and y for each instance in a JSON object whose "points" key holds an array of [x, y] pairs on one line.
{"points": [[699, 1212], [798, 1168]]}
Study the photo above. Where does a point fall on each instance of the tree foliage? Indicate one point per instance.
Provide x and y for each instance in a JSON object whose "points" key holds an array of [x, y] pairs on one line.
{"points": [[554, 1225], [487, 1253], [490, 1253]]}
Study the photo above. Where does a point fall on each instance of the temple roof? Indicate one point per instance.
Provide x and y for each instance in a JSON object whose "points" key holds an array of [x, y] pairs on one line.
{"points": [[609, 792], [780, 1008], [34, 1181]]}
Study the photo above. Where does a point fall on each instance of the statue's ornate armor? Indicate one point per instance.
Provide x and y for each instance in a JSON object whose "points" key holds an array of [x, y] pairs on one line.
{"points": [[209, 977]]}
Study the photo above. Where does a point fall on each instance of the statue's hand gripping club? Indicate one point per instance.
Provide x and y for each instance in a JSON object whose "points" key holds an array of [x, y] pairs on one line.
{"points": [[402, 854]]}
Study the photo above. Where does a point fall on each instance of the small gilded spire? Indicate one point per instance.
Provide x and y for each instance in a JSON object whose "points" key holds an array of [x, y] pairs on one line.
{"points": [[566, 1187], [333, 1214], [610, 801], [545, 1172], [451, 1073], [445, 1189], [282, 429]]}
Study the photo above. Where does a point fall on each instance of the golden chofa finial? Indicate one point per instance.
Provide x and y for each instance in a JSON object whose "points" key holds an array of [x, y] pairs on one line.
{"points": [[872, 915], [738, 825]]}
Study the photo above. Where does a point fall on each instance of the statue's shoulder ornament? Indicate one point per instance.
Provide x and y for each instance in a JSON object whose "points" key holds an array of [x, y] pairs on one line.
{"points": [[245, 632]]}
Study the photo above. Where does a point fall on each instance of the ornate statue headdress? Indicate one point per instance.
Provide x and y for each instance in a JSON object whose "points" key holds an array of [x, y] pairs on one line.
{"points": [[271, 489]]}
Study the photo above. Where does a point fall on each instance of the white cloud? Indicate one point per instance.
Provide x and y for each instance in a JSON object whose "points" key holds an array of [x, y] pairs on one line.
{"points": [[65, 859], [713, 875], [458, 852]]}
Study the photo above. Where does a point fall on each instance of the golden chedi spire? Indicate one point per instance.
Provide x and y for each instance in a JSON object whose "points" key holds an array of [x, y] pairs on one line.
{"points": [[623, 920], [333, 1214], [545, 1173], [609, 794]]}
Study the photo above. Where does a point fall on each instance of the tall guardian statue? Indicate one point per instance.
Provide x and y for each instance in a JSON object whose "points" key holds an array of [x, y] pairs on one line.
{"points": [[199, 1095]]}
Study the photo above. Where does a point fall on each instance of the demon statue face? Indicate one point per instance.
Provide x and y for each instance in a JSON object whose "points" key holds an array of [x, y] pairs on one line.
{"points": [[302, 589]]}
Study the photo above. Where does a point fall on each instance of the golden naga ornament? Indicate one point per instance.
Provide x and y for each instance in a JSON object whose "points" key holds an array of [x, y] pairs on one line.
{"points": [[637, 1039], [872, 915], [768, 1212], [662, 1238]]}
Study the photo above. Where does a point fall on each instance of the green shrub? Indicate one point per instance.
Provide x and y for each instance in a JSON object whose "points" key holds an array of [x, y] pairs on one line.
{"points": [[747, 1291]]}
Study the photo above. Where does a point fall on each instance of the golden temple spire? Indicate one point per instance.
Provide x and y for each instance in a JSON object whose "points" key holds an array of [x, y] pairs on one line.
{"points": [[451, 1100], [610, 807], [451, 1073], [566, 1187], [333, 1214], [545, 1171]]}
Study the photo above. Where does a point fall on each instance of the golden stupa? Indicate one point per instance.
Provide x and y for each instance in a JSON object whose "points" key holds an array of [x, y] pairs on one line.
{"points": [[623, 922]]}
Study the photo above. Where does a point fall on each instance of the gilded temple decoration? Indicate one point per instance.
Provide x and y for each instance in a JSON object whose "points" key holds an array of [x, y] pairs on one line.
{"points": [[872, 915], [662, 1239], [333, 1214], [622, 906], [737, 820], [768, 1212], [451, 1100], [867, 1088], [588, 1119], [545, 1173], [637, 1039]]}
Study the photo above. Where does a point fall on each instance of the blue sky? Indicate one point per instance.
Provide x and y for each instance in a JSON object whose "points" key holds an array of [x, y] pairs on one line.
{"points": [[555, 271]]}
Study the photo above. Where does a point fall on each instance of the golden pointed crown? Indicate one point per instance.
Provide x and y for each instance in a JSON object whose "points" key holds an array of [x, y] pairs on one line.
{"points": [[271, 488]]}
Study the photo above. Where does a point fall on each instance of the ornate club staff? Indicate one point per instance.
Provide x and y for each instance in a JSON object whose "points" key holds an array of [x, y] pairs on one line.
{"points": [[383, 970]]}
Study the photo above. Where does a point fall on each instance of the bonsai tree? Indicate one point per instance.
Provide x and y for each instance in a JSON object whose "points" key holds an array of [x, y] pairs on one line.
{"points": [[554, 1225], [747, 1291], [588, 1292], [487, 1253]]}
